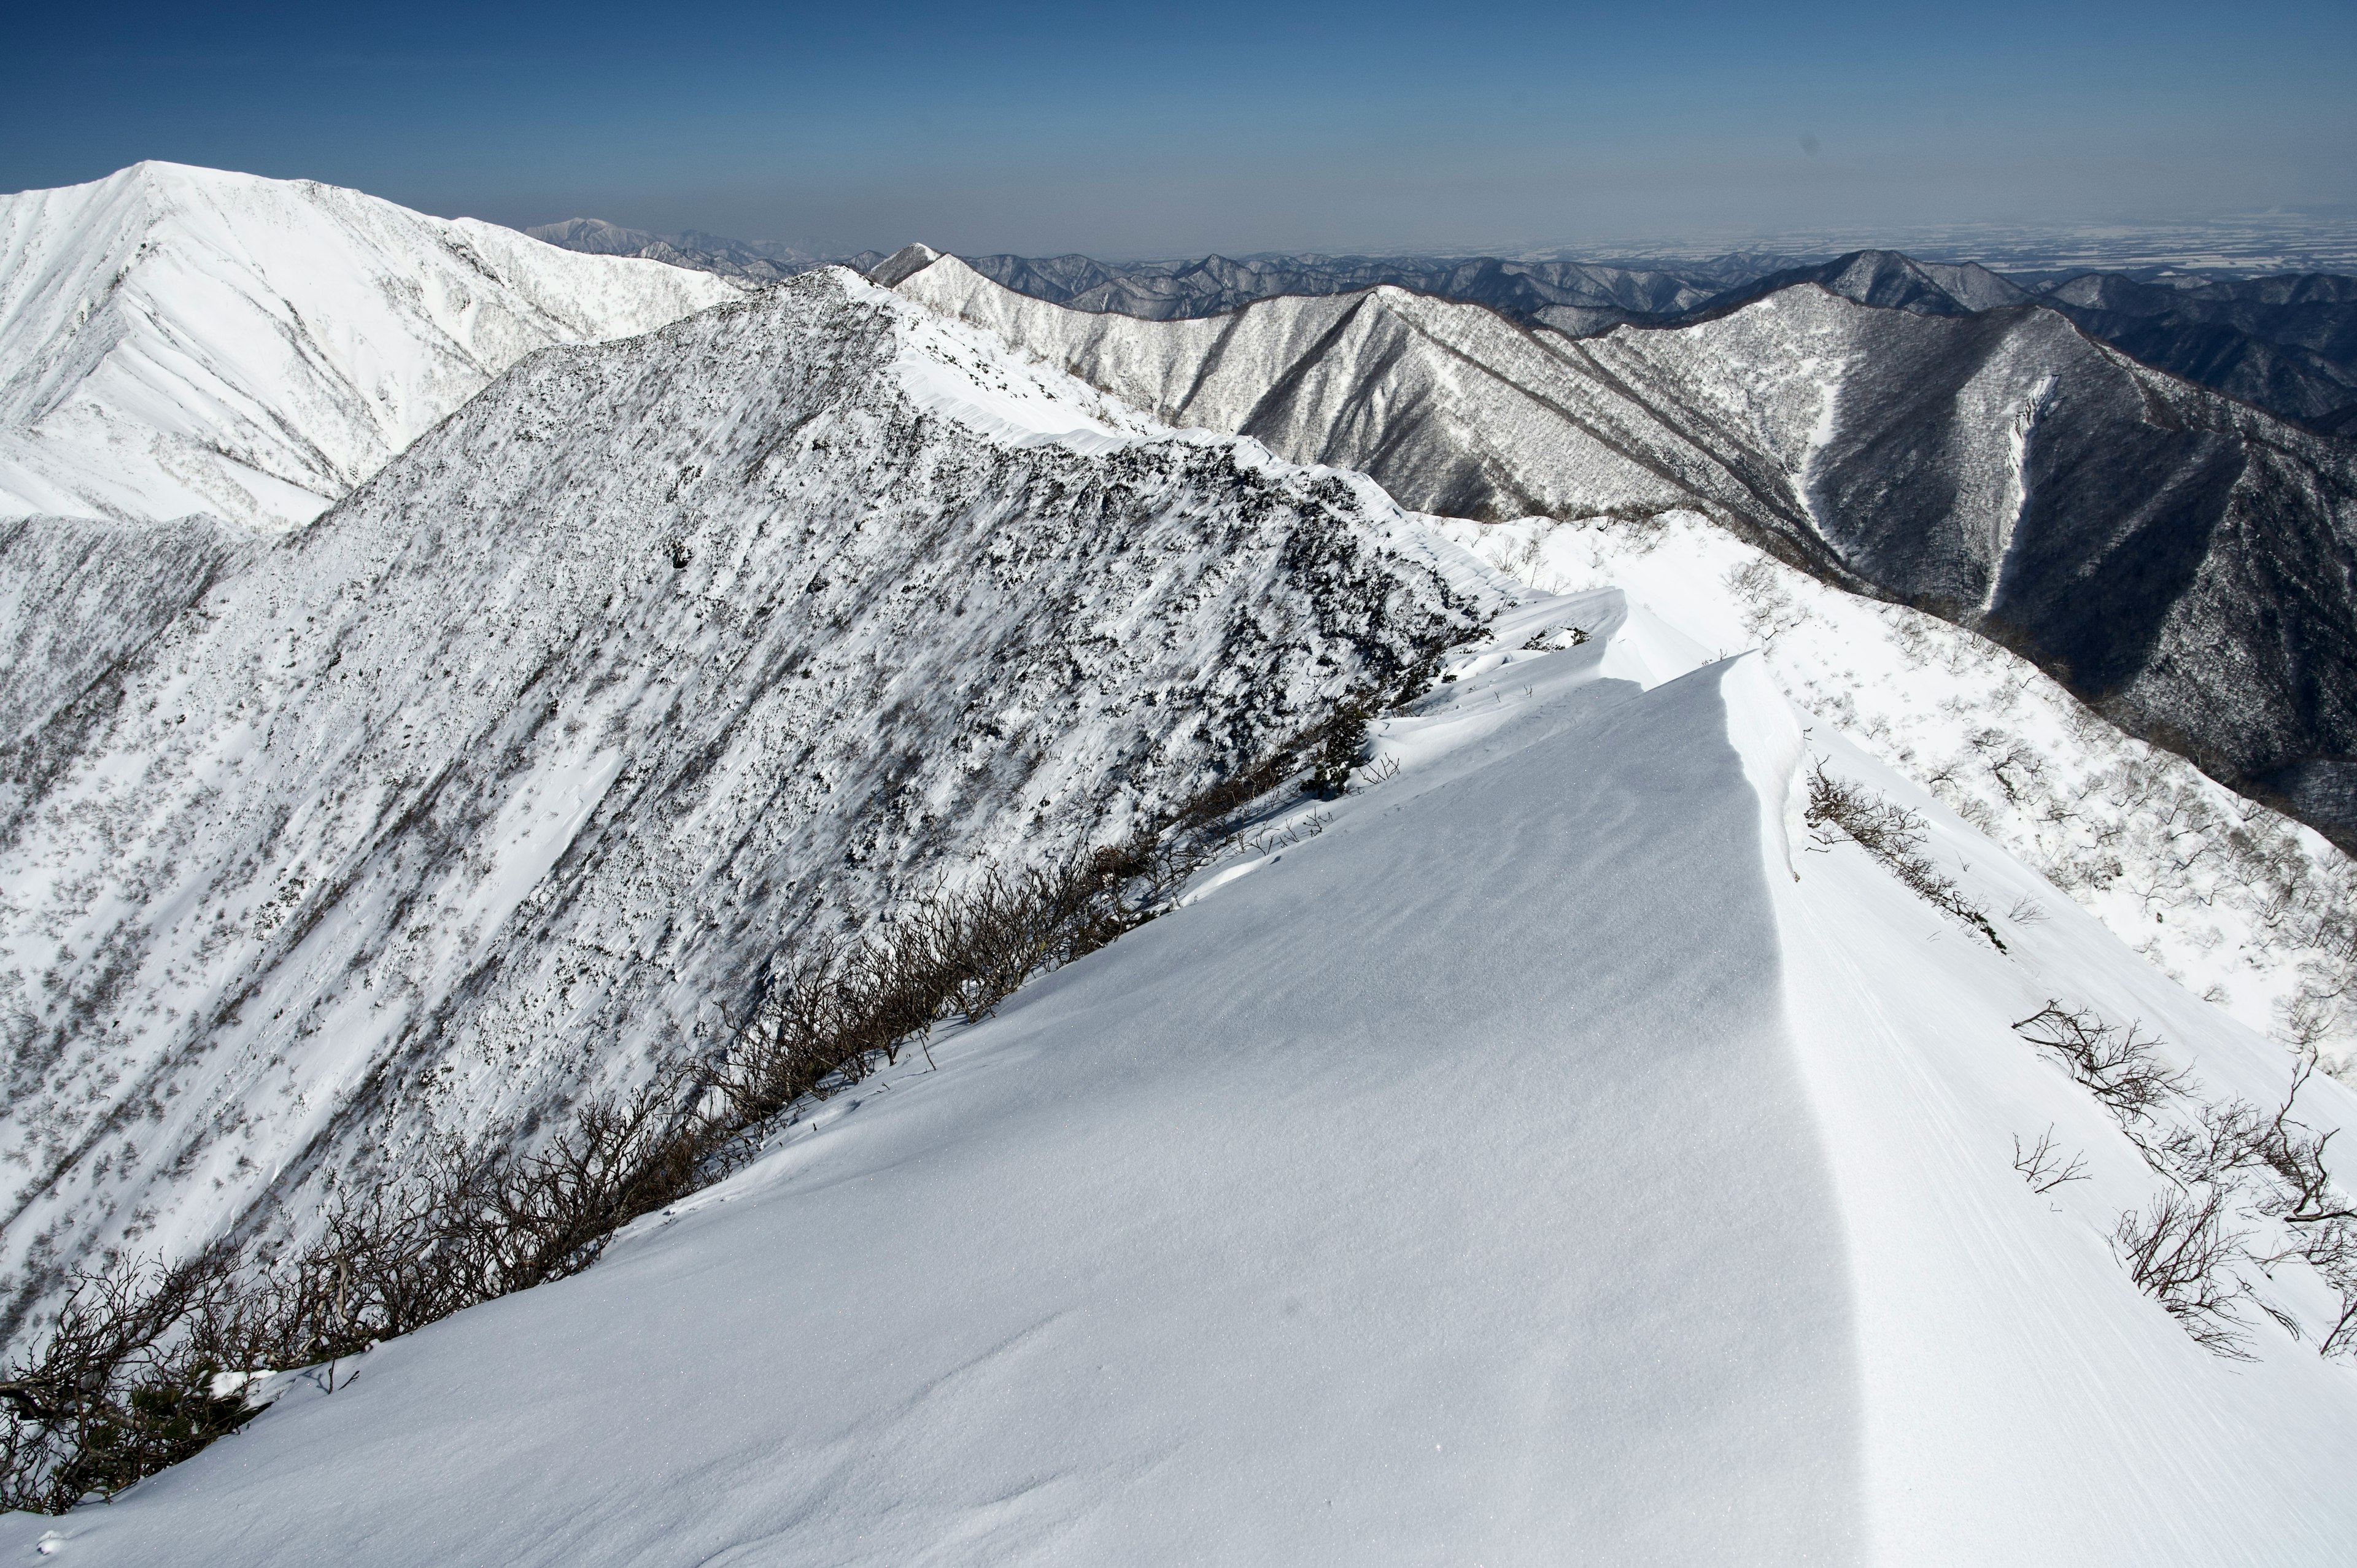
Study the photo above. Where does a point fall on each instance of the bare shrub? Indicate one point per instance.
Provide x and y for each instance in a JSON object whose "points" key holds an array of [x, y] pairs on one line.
{"points": [[2181, 1252], [120, 1389], [2229, 1160], [2042, 1167], [1894, 836], [2117, 1065], [148, 1364]]}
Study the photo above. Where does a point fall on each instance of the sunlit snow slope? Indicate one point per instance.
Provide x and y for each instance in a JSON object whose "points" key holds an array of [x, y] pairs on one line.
{"points": [[178, 341], [1559, 1158], [507, 776], [2243, 905]]}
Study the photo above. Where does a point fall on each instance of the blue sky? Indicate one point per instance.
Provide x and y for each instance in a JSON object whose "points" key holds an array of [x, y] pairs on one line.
{"points": [[1134, 131]]}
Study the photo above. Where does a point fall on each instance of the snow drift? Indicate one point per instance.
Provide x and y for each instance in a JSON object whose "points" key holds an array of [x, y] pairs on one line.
{"points": [[1560, 1155], [178, 340]]}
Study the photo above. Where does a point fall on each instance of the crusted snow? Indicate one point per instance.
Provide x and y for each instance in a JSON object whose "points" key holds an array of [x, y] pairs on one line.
{"points": [[2235, 901]]}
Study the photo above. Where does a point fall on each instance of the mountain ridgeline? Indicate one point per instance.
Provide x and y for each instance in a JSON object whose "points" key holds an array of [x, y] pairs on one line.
{"points": [[2180, 560], [496, 781]]}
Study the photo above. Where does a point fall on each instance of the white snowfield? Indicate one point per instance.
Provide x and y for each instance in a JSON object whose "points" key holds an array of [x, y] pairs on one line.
{"points": [[1560, 1157], [178, 341]]}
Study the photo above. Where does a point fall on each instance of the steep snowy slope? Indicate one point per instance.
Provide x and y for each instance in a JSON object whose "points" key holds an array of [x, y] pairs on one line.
{"points": [[1559, 1158], [177, 340], [2239, 904], [2179, 559], [513, 769]]}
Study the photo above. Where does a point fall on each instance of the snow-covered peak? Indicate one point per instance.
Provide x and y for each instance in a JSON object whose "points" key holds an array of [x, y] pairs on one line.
{"points": [[178, 340], [906, 261]]}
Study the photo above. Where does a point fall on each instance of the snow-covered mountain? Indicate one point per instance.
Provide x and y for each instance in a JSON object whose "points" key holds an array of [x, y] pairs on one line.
{"points": [[756, 261], [1574, 296], [515, 768], [1562, 1156], [177, 341], [2175, 557]]}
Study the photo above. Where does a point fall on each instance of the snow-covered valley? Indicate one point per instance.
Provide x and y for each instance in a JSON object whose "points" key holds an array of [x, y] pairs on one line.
{"points": [[1619, 1127]]}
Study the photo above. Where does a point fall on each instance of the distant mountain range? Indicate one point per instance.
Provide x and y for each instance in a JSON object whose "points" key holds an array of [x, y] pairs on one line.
{"points": [[1911, 432], [2286, 343], [764, 260]]}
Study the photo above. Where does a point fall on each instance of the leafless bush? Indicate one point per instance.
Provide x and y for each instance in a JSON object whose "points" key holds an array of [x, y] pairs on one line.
{"points": [[120, 1389], [2181, 1252], [2117, 1065], [1768, 611], [1892, 835], [148, 1364], [2228, 1161], [2042, 1167]]}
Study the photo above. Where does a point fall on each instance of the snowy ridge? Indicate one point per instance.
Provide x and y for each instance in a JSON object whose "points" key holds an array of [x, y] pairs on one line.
{"points": [[1525, 1165], [177, 340], [506, 775], [2000, 468], [2244, 907], [2250, 907]]}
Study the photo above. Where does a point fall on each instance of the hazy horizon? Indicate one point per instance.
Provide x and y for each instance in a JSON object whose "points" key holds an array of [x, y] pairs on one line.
{"points": [[1228, 129]]}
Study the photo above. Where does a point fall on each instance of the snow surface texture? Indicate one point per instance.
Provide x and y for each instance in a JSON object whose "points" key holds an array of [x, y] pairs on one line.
{"points": [[2175, 557], [178, 340], [2245, 908], [505, 775], [1530, 1167]]}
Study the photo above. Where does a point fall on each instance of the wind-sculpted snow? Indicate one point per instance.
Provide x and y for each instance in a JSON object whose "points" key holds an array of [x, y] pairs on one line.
{"points": [[177, 340], [1562, 1156], [508, 773], [2243, 907], [2177, 559]]}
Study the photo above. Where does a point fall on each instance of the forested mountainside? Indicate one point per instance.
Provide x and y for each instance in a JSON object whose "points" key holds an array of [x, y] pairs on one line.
{"points": [[2176, 558], [515, 768]]}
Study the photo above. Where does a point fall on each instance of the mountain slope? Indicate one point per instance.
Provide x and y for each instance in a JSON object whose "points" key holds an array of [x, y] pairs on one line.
{"points": [[1574, 296], [1557, 1157], [694, 249], [178, 341], [508, 773], [2287, 344], [1889, 280], [2175, 558]]}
